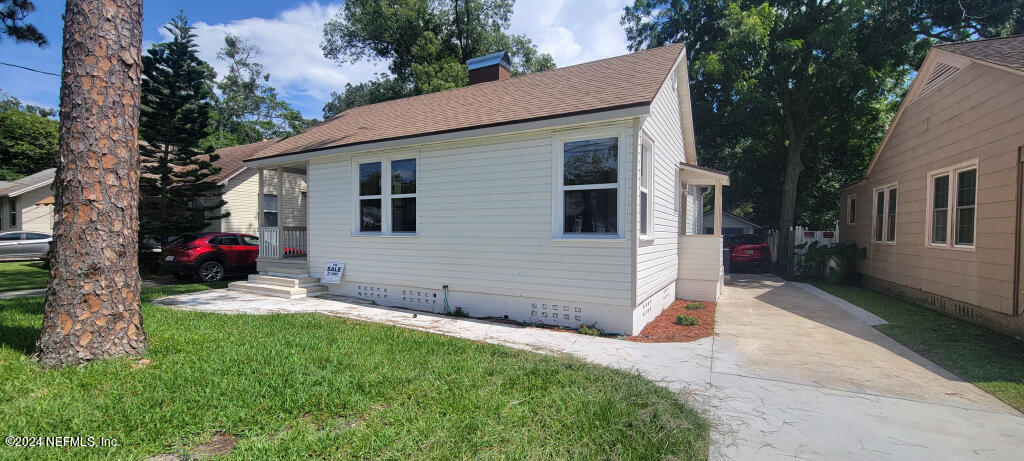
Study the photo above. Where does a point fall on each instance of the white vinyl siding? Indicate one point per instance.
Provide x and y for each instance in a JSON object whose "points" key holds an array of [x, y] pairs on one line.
{"points": [[241, 193], [658, 258], [485, 227]]}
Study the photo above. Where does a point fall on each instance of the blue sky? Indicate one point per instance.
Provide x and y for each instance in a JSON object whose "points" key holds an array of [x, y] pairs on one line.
{"points": [[573, 31]]}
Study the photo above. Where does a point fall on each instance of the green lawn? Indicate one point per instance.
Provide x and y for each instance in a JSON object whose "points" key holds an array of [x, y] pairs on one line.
{"points": [[992, 361], [300, 386], [23, 275]]}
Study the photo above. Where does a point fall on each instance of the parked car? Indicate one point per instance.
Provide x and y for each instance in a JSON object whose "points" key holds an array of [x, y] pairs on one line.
{"points": [[748, 251], [211, 256], [20, 245]]}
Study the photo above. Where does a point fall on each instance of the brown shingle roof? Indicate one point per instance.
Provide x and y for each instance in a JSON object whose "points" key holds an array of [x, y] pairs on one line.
{"points": [[231, 158], [1003, 51], [624, 81]]}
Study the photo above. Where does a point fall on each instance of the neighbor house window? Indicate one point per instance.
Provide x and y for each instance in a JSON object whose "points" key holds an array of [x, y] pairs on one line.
{"points": [[270, 210], [387, 206], [952, 199], [645, 175], [12, 211], [885, 214], [851, 209], [590, 186]]}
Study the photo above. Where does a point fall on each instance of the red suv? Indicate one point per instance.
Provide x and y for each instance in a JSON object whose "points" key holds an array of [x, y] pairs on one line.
{"points": [[210, 256], [748, 250]]}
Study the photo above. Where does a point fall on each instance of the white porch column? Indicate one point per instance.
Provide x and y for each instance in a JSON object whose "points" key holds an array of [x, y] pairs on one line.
{"points": [[718, 208], [280, 209], [259, 203]]}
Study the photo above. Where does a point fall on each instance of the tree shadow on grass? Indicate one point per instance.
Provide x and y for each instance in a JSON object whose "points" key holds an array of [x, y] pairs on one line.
{"points": [[19, 338]]}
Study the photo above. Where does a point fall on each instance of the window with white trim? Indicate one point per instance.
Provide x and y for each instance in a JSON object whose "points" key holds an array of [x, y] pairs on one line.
{"points": [[646, 174], [270, 210], [589, 186], [952, 200], [851, 209], [387, 206], [885, 214], [12, 210]]}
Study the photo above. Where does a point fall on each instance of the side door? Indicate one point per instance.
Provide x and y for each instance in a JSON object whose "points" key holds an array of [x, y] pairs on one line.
{"points": [[37, 244], [10, 245], [230, 247]]}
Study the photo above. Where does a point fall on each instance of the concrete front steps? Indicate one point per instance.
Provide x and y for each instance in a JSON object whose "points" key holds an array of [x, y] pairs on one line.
{"points": [[282, 278]]}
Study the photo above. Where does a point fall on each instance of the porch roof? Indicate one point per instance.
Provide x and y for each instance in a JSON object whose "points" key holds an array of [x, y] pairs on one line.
{"points": [[698, 175]]}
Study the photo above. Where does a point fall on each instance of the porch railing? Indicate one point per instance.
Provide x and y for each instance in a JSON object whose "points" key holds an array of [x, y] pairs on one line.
{"points": [[278, 242]]}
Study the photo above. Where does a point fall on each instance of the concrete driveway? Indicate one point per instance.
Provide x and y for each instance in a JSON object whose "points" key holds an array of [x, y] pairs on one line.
{"points": [[792, 373]]}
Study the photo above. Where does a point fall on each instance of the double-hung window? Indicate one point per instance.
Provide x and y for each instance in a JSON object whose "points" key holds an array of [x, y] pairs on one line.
{"points": [[588, 195], [387, 196], [646, 174], [270, 210], [12, 211], [885, 214], [952, 200], [851, 209]]}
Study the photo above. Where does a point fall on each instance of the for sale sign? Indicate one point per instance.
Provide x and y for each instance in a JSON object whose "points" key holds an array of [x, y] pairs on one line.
{"points": [[332, 273]]}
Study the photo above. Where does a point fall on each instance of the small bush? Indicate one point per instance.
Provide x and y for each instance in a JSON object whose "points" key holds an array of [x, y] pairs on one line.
{"points": [[458, 312], [694, 306], [590, 330], [686, 320]]}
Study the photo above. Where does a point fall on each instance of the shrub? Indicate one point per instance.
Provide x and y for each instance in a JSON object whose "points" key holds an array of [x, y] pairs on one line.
{"points": [[686, 320], [590, 330], [828, 263], [458, 312], [694, 306]]}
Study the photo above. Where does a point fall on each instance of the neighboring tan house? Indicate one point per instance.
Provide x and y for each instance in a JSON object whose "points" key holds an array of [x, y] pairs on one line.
{"points": [[26, 204], [939, 208], [731, 224], [241, 192], [562, 197]]}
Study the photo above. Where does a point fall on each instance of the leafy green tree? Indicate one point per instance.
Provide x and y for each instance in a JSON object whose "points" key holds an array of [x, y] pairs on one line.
{"points": [[793, 96], [12, 22], [248, 109], [28, 138], [177, 90], [427, 43]]}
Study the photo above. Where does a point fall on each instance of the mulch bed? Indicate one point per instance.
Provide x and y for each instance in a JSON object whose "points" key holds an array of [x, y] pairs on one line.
{"points": [[664, 330]]}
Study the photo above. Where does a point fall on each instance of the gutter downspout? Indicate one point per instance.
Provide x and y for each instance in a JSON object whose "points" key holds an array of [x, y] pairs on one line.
{"points": [[1017, 234]]}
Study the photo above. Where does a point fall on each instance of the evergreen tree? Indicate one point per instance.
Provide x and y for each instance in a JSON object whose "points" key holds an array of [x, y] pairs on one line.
{"points": [[28, 138], [177, 88]]}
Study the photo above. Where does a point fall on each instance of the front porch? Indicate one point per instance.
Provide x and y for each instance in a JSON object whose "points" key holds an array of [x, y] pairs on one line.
{"points": [[284, 241], [701, 266]]}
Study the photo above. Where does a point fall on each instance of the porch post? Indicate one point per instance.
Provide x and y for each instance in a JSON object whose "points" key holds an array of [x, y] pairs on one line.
{"points": [[718, 208], [280, 210], [259, 203]]}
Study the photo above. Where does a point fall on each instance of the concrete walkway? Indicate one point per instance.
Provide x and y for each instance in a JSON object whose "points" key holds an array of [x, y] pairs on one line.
{"points": [[792, 373]]}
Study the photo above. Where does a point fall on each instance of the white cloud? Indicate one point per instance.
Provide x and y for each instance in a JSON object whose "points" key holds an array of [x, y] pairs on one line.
{"points": [[572, 31], [291, 53]]}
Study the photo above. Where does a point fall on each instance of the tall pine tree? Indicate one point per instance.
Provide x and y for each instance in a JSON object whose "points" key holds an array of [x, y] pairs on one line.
{"points": [[177, 88]]}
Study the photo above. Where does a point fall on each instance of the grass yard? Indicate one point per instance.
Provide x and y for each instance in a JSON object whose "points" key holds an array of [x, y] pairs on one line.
{"points": [[991, 361], [23, 275], [313, 386]]}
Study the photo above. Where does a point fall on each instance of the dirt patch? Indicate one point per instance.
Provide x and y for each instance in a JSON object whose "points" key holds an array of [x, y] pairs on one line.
{"points": [[219, 445], [663, 328]]}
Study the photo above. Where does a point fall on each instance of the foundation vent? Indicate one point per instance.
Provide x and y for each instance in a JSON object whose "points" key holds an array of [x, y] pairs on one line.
{"points": [[556, 314]]}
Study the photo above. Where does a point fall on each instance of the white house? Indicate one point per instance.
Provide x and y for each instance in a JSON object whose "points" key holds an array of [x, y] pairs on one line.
{"points": [[26, 204], [562, 197]]}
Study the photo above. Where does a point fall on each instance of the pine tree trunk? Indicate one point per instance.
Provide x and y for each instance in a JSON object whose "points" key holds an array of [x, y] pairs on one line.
{"points": [[92, 300]]}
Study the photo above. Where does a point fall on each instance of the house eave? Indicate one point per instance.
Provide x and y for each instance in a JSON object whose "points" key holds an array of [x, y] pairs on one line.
{"points": [[624, 112]]}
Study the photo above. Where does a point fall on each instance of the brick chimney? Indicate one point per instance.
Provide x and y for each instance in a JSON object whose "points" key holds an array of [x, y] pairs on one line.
{"points": [[490, 68]]}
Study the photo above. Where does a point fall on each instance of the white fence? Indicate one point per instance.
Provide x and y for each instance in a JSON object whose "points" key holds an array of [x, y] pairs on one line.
{"points": [[282, 242], [803, 235]]}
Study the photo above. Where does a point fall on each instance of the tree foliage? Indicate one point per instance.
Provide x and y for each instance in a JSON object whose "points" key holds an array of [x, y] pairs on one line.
{"points": [[427, 43], [248, 109], [177, 94], [793, 96], [28, 138], [12, 20]]}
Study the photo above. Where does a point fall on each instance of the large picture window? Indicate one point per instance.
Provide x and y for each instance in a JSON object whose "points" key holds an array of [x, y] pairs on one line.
{"points": [[951, 206], [590, 186], [387, 196], [885, 214]]}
